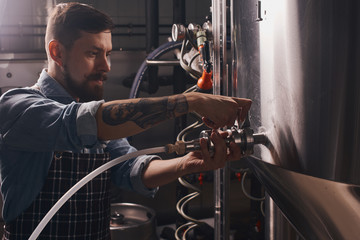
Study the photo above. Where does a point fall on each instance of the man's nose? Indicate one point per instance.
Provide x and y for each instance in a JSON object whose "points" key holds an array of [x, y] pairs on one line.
{"points": [[104, 64]]}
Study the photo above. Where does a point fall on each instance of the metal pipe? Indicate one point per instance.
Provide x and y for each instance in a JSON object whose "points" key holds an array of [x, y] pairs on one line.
{"points": [[130, 34], [221, 180], [179, 14], [152, 24], [152, 40], [129, 25], [163, 62]]}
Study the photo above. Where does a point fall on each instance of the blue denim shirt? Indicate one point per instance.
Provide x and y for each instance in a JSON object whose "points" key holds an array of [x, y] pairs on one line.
{"points": [[34, 124]]}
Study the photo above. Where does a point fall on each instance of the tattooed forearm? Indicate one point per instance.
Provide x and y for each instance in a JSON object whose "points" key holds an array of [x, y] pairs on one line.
{"points": [[147, 112]]}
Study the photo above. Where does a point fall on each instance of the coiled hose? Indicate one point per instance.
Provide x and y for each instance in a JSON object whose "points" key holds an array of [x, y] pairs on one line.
{"points": [[193, 223]]}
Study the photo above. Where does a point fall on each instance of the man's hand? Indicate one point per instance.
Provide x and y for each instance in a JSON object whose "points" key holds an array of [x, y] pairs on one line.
{"points": [[218, 111], [204, 161], [160, 172]]}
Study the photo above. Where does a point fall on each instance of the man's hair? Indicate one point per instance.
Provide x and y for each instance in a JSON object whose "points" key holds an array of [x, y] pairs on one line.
{"points": [[67, 20]]}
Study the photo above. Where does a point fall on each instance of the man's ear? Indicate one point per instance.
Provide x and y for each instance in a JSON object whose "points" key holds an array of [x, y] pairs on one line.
{"points": [[56, 52]]}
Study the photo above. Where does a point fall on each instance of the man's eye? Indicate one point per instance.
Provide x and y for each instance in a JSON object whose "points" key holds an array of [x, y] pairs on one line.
{"points": [[94, 54]]}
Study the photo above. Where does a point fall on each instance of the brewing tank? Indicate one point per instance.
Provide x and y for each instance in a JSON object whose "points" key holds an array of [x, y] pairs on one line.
{"points": [[299, 61]]}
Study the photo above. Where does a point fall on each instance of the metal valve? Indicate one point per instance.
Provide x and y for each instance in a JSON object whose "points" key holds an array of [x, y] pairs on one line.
{"points": [[244, 138], [178, 31]]}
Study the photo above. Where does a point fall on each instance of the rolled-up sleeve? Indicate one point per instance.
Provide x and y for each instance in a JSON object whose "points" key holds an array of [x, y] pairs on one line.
{"points": [[86, 123], [31, 122], [128, 175], [136, 175]]}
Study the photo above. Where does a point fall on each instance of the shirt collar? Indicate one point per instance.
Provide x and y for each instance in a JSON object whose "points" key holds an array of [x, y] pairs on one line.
{"points": [[52, 89]]}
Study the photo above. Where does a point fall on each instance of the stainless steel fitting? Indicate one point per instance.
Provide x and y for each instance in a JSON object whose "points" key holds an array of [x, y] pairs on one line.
{"points": [[244, 138]]}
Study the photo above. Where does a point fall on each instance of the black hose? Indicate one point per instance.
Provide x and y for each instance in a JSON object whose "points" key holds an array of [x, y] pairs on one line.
{"points": [[162, 49]]}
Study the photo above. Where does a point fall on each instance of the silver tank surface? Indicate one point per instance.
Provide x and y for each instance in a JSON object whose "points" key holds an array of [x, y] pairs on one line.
{"points": [[299, 61]]}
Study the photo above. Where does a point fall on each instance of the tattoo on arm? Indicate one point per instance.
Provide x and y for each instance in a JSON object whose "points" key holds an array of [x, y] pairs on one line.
{"points": [[146, 112]]}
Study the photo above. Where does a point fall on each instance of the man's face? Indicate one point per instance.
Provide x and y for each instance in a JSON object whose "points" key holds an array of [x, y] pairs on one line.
{"points": [[85, 65]]}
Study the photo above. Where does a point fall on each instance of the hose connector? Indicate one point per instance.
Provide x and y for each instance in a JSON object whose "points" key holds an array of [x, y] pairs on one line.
{"points": [[244, 138], [178, 148]]}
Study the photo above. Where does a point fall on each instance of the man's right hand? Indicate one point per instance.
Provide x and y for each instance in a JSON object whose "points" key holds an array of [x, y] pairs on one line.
{"points": [[218, 111]]}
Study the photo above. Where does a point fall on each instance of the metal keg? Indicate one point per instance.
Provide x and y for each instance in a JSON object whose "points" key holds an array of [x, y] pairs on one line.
{"points": [[132, 221]]}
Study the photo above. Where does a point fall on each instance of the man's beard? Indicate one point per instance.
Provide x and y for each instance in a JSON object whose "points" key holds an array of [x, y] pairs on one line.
{"points": [[83, 90]]}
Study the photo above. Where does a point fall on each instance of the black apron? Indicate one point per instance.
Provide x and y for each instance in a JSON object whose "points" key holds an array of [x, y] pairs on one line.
{"points": [[86, 215]]}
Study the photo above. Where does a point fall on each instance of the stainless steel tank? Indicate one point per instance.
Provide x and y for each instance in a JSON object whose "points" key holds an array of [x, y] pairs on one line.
{"points": [[299, 61]]}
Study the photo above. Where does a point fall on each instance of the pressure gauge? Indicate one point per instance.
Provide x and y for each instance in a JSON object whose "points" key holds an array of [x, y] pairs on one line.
{"points": [[178, 32]]}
